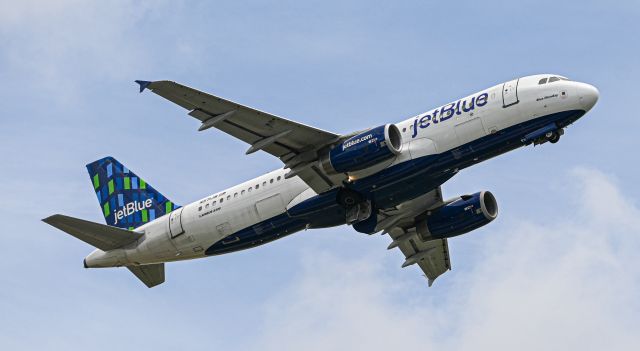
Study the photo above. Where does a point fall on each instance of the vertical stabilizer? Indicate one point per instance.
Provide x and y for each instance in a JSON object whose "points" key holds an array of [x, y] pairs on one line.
{"points": [[126, 200]]}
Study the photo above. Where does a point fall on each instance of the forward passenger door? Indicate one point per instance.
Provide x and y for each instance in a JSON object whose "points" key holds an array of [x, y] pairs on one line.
{"points": [[510, 93]]}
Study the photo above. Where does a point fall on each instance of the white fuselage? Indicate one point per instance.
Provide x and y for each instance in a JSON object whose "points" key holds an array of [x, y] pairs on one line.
{"points": [[187, 232]]}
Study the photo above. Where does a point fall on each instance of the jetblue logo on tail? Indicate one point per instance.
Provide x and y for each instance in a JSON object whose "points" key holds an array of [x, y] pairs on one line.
{"points": [[127, 200], [131, 208]]}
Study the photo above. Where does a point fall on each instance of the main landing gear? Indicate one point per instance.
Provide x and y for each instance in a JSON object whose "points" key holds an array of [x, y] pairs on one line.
{"points": [[356, 206]]}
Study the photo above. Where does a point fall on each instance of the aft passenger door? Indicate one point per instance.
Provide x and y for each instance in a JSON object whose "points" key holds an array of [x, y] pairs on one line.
{"points": [[510, 93], [175, 222]]}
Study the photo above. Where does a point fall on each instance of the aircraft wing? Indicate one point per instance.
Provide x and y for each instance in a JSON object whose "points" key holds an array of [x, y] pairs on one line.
{"points": [[296, 144], [432, 256]]}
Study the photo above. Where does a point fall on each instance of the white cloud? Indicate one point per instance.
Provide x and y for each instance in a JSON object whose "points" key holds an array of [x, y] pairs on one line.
{"points": [[564, 283]]}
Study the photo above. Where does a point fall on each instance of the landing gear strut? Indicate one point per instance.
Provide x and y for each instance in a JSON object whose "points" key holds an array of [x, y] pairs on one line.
{"points": [[357, 208]]}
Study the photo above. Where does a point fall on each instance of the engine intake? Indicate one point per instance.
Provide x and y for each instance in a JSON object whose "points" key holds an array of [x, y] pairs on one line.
{"points": [[461, 216], [364, 150]]}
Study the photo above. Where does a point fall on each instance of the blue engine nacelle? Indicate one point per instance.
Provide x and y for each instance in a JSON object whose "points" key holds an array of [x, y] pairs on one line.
{"points": [[364, 150], [460, 216]]}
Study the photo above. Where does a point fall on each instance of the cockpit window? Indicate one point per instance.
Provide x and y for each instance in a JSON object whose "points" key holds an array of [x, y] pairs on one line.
{"points": [[542, 81], [553, 79]]}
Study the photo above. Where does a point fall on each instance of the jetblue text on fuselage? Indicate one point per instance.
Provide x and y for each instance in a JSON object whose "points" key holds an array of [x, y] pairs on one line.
{"points": [[445, 112]]}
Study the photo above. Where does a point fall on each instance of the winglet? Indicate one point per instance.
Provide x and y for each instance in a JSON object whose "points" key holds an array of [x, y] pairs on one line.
{"points": [[143, 84]]}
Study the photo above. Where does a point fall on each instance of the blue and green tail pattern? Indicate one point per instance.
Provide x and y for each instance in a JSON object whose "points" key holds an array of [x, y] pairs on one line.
{"points": [[127, 201]]}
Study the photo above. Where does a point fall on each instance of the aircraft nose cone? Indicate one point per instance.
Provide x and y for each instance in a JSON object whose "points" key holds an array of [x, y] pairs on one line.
{"points": [[588, 95]]}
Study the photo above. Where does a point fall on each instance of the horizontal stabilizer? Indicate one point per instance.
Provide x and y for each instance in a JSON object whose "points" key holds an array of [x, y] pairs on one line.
{"points": [[151, 275], [102, 236]]}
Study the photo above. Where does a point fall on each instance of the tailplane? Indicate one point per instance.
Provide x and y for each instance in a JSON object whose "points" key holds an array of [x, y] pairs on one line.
{"points": [[151, 275], [127, 201], [98, 235]]}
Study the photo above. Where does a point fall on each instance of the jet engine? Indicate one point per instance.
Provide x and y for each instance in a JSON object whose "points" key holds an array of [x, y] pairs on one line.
{"points": [[364, 150], [467, 213]]}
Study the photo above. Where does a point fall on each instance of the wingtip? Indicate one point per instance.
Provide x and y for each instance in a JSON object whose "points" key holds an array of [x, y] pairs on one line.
{"points": [[143, 84], [50, 218]]}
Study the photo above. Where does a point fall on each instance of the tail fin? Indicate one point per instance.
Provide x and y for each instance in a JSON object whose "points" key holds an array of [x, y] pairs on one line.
{"points": [[127, 200]]}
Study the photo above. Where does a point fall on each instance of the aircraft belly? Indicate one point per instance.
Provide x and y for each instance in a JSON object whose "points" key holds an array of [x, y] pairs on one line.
{"points": [[416, 177], [397, 184]]}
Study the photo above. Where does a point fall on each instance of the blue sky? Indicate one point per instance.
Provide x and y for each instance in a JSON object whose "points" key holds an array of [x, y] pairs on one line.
{"points": [[557, 269]]}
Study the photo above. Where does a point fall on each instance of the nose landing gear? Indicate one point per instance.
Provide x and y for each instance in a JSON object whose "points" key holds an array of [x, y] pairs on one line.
{"points": [[553, 136], [550, 136], [551, 132]]}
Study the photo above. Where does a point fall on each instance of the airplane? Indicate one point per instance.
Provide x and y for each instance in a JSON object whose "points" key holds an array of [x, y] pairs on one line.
{"points": [[386, 179]]}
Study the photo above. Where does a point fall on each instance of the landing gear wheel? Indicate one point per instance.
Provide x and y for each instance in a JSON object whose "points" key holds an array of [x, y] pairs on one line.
{"points": [[555, 137], [348, 198]]}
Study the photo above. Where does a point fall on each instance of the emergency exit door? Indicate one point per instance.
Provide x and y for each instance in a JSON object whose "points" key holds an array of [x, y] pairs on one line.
{"points": [[510, 93]]}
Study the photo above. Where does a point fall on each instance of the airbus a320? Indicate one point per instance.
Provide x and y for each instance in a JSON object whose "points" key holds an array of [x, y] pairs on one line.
{"points": [[382, 179]]}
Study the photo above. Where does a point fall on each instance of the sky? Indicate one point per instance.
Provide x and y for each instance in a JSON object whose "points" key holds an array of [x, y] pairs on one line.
{"points": [[558, 269]]}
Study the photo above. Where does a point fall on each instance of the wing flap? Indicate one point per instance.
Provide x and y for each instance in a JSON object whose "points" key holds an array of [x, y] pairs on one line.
{"points": [[437, 262], [431, 256], [102, 236]]}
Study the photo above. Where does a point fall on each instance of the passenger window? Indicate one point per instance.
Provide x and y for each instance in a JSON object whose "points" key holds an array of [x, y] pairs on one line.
{"points": [[250, 188], [257, 186], [279, 178], [542, 81], [206, 206], [221, 199], [228, 197], [271, 181], [235, 195], [553, 79], [214, 203], [200, 208], [242, 192], [264, 183]]}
